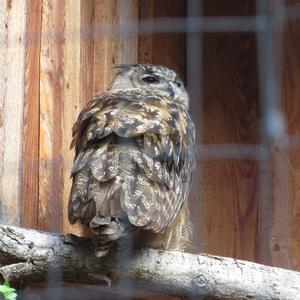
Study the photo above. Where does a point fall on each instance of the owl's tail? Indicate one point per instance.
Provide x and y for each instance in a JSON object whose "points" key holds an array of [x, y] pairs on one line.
{"points": [[105, 234]]}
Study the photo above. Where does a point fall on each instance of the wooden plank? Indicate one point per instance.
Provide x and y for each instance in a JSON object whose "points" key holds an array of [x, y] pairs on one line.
{"points": [[128, 11], [13, 20], [106, 47], [229, 192], [30, 172], [3, 52], [75, 62], [167, 49], [286, 239], [92, 60], [282, 238], [284, 218], [113, 49], [51, 109], [146, 40], [87, 40]]}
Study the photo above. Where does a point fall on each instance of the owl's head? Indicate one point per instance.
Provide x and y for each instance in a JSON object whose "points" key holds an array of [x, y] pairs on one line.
{"points": [[156, 79]]}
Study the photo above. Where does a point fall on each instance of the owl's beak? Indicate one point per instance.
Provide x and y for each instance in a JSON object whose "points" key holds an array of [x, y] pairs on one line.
{"points": [[172, 89]]}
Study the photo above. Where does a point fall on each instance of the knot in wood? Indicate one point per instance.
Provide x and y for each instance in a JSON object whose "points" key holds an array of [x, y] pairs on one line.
{"points": [[200, 280]]}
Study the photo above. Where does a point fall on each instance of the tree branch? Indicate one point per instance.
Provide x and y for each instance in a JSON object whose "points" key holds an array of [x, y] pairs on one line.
{"points": [[32, 256]]}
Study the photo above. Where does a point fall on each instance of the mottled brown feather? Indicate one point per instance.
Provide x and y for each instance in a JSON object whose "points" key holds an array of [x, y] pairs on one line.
{"points": [[133, 163]]}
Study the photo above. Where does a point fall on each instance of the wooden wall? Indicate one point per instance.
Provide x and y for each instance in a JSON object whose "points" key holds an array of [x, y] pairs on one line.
{"points": [[55, 54], [232, 221], [229, 215], [12, 61], [61, 54], [287, 164]]}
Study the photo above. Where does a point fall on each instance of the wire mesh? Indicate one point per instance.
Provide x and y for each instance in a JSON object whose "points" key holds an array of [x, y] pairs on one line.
{"points": [[267, 24]]}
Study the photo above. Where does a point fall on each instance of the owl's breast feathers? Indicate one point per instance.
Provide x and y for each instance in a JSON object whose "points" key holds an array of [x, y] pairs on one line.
{"points": [[133, 164]]}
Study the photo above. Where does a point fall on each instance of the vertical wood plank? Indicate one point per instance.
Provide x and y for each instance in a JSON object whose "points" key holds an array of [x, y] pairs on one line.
{"points": [[93, 59], [51, 107], [74, 65], [128, 11], [146, 40], [87, 40], [13, 21], [167, 49], [31, 122], [162, 48], [3, 52], [110, 50], [106, 47], [282, 239], [286, 239], [230, 115]]}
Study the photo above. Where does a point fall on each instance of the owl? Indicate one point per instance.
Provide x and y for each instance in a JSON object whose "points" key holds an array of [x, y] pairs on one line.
{"points": [[134, 159]]}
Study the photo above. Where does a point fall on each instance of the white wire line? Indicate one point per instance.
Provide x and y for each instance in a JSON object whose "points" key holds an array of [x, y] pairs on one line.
{"points": [[192, 24], [196, 24], [269, 45]]}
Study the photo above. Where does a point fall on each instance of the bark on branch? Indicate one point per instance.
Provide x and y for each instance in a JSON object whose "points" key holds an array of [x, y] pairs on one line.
{"points": [[30, 256]]}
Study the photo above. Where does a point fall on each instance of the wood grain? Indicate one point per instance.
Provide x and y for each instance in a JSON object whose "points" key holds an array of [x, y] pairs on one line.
{"points": [[128, 11], [286, 240], [13, 20], [56, 59], [106, 47], [51, 109], [171, 272], [115, 47], [168, 49], [92, 61], [31, 121], [3, 34], [230, 115], [86, 41], [146, 40], [71, 97], [282, 238]]}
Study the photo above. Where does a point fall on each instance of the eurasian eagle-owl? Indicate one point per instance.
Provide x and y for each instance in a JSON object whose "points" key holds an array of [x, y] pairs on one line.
{"points": [[134, 160]]}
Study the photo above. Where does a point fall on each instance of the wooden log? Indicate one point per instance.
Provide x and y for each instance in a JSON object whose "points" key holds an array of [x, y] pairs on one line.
{"points": [[28, 256]]}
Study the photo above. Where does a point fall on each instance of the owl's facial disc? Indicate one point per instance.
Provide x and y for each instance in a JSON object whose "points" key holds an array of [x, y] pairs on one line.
{"points": [[156, 79]]}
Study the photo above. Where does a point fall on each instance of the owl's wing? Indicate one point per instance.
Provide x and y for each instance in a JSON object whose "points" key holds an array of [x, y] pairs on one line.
{"points": [[134, 158]]}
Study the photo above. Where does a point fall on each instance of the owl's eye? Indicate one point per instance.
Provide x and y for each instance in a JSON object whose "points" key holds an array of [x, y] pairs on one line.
{"points": [[150, 78], [178, 83]]}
